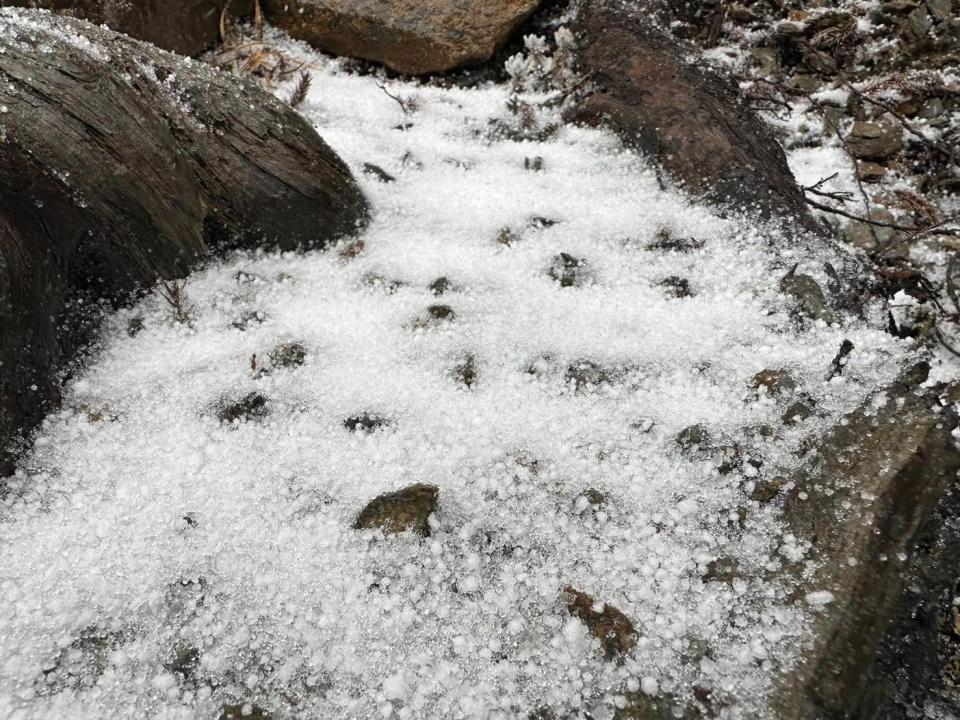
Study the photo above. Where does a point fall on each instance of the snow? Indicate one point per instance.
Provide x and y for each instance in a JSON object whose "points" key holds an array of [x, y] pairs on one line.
{"points": [[141, 526]]}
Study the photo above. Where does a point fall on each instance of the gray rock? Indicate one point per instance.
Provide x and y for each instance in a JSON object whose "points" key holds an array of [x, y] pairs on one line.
{"points": [[875, 140], [808, 295]]}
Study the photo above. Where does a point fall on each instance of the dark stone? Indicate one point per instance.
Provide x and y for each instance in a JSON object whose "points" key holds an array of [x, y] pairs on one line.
{"points": [[466, 372], [614, 629], [366, 423], [110, 180], [378, 172], [676, 287], [665, 241], [694, 437], [184, 663], [811, 302], [401, 511], [687, 117], [440, 286], [250, 407], [766, 490], [776, 382], [567, 270], [875, 140], [288, 355]]}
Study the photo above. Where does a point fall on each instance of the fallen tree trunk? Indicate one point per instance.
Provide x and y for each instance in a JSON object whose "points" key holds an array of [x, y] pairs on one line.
{"points": [[187, 27], [121, 164]]}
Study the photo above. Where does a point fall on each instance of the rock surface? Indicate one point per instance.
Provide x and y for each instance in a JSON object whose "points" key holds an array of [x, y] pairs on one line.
{"points": [[687, 118], [405, 510], [187, 27], [874, 482], [121, 165], [409, 36]]}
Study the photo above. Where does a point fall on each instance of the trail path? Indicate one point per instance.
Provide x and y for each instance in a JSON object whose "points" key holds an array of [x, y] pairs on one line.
{"points": [[158, 563]]}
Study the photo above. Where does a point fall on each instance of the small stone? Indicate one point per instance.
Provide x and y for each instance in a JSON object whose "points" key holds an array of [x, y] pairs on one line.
{"points": [[441, 312], [797, 412], [247, 319], [244, 711], [404, 510], [540, 223], [466, 372], [724, 569], [693, 437], [805, 83], [379, 282], [776, 382], [252, 406], [875, 140], [247, 278], [378, 172], [766, 490], [676, 287], [567, 270], [866, 236], [507, 236], [440, 286], [535, 163], [288, 355], [366, 423], [614, 630], [594, 497], [352, 249], [809, 296], [586, 373], [134, 325], [871, 172]]}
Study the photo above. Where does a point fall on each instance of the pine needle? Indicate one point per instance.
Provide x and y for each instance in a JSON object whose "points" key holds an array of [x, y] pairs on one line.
{"points": [[303, 86]]}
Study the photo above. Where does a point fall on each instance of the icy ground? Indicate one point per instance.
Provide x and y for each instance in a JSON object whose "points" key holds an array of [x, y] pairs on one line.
{"points": [[143, 535]]}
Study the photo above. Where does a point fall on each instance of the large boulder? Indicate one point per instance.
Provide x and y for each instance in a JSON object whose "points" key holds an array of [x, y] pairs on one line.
{"points": [[187, 27], [862, 502], [690, 119], [122, 164], [415, 37]]}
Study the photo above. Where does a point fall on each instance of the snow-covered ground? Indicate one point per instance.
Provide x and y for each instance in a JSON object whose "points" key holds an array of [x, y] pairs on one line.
{"points": [[142, 529]]}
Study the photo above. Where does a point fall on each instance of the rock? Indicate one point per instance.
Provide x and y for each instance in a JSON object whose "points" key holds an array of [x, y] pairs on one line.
{"points": [[665, 241], [80, 664], [440, 286], [871, 172], [434, 315], [797, 413], [866, 492], [586, 373], [378, 172], [775, 382], [676, 287], [808, 295], [875, 140], [367, 423], [725, 570], [466, 372], [187, 27], [568, 270], [244, 711], [288, 355], [401, 511], [111, 178], [766, 490], [869, 237], [694, 437], [689, 119], [252, 406], [415, 37], [805, 82], [614, 629]]}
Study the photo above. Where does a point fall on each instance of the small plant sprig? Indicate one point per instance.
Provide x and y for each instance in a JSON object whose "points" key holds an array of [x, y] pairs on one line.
{"points": [[174, 292], [300, 92]]}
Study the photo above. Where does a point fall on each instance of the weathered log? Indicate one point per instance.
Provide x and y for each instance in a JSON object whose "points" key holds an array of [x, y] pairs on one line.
{"points": [[187, 27], [688, 118], [121, 164]]}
